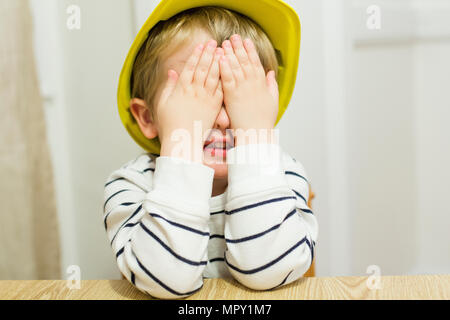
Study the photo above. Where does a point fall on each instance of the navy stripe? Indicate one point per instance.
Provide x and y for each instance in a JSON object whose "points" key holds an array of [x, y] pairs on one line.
{"points": [[306, 211], [268, 264], [163, 284], [143, 171], [299, 195], [133, 278], [295, 174], [216, 259], [290, 214], [217, 236], [120, 252], [258, 204], [311, 248], [125, 222], [113, 181], [165, 246], [282, 282], [113, 196], [131, 225], [218, 212], [126, 204], [180, 225]]}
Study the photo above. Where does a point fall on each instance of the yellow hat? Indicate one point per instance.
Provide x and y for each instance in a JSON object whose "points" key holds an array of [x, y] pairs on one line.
{"points": [[278, 20]]}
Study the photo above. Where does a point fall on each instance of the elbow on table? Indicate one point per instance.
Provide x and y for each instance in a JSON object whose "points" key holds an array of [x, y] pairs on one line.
{"points": [[260, 282], [163, 280], [159, 289], [273, 276]]}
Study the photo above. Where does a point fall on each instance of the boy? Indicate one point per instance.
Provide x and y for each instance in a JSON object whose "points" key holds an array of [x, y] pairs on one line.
{"points": [[175, 218]]}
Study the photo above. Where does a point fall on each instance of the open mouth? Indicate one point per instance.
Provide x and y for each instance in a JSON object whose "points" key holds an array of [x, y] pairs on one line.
{"points": [[217, 147]]}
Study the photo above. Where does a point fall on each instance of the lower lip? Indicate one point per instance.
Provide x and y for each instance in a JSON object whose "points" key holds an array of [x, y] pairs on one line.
{"points": [[216, 152]]}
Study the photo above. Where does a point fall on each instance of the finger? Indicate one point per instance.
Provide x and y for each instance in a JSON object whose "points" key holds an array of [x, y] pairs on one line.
{"points": [[187, 74], [253, 55], [219, 90], [214, 72], [205, 63], [170, 84], [233, 61], [272, 84], [242, 56], [228, 81]]}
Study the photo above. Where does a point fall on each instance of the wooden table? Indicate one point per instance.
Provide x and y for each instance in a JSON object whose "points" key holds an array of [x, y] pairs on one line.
{"points": [[393, 287]]}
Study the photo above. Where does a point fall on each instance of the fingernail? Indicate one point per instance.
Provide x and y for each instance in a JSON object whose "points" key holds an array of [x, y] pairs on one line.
{"points": [[212, 44], [235, 37], [248, 43], [227, 44]]}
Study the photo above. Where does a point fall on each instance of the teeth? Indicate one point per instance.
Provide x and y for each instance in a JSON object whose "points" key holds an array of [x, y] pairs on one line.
{"points": [[215, 145], [218, 145]]}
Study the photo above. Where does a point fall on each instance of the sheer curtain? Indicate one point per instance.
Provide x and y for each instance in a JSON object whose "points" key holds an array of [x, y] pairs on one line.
{"points": [[29, 236]]}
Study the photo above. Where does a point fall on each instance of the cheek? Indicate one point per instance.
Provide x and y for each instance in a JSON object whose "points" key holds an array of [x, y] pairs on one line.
{"points": [[156, 99]]}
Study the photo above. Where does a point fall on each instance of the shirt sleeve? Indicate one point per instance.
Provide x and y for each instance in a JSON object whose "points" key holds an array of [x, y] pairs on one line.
{"points": [[160, 236], [270, 231]]}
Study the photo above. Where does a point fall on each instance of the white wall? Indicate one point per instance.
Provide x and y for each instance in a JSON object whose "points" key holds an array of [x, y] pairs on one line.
{"points": [[99, 143], [432, 113], [80, 70], [395, 102], [367, 120]]}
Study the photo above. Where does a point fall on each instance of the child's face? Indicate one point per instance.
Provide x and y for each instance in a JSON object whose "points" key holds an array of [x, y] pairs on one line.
{"points": [[214, 158]]}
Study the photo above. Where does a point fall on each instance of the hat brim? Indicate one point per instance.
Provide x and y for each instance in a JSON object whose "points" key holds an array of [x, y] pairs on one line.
{"points": [[278, 20]]}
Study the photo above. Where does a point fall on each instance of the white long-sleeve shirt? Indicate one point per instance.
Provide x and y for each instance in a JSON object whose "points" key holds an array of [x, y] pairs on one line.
{"points": [[168, 233]]}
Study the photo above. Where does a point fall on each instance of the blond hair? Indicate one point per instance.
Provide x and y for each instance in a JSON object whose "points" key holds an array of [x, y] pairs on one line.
{"points": [[167, 36]]}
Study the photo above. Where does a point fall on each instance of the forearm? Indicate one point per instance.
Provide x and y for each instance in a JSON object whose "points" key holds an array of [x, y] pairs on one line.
{"points": [[269, 241], [161, 257], [161, 242]]}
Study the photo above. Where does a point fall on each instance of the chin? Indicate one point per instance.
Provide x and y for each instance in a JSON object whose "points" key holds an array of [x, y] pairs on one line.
{"points": [[220, 168]]}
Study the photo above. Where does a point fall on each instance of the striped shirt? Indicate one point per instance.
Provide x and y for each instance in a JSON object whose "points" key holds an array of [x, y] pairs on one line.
{"points": [[168, 233]]}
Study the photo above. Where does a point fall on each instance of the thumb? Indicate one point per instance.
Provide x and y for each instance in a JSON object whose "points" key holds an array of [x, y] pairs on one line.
{"points": [[172, 79], [272, 84]]}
